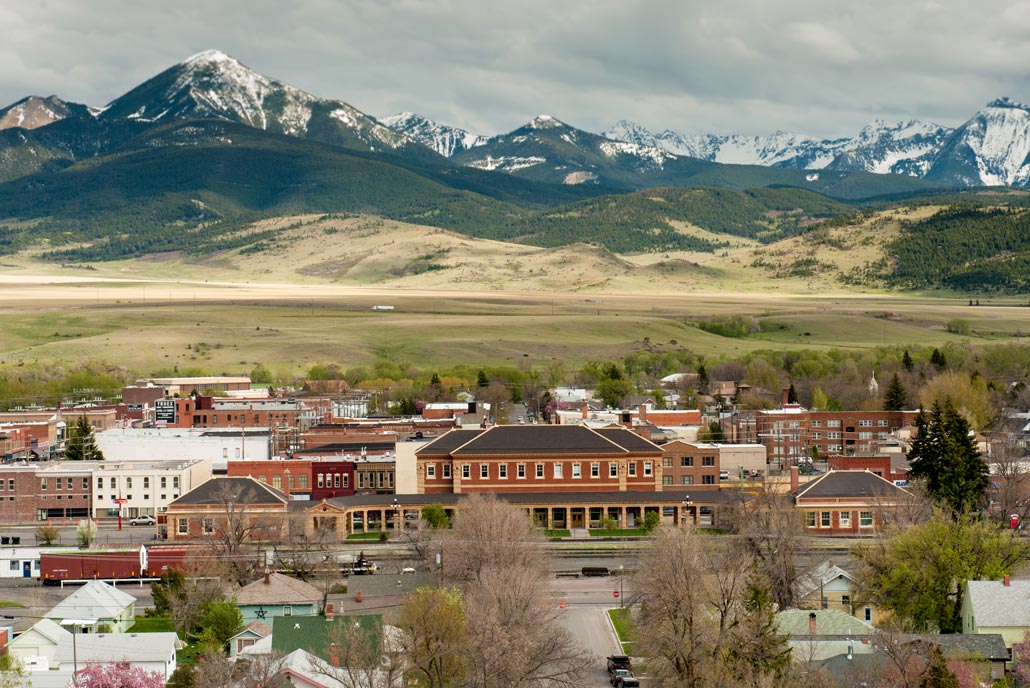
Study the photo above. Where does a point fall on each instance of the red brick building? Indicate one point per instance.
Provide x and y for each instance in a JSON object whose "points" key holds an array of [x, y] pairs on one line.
{"points": [[289, 476], [877, 464], [690, 465], [41, 491], [847, 503], [539, 458], [228, 503]]}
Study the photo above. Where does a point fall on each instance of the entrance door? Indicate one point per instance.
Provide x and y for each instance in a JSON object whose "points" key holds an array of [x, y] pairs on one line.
{"points": [[26, 569], [577, 518]]}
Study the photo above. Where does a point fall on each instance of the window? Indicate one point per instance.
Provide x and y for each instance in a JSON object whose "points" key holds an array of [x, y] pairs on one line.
{"points": [[484, 470], [15, 564], [833, 435], [844, 518], [100, 483], [686, 462], [540, 470], [70, 484], [225, 452], [85, 484], [882, 423], [164, 481], [277, 482], [666, 480], [868, 614], [708, 461], [321, 480], [817, 424], [833, 423], [557, 470], [184, 526], [145, 497], [447, 471], [845, 600], [214, 419], [810, 519], [209, 526], [865, 435], [865, 423], [287, 610], [10, 484], [431, 470], [303, 481], [707, 479], [128, 483], [595, 470], [346, 480], [824, 519], [465, 471], [502, 471], [164, 497], [292, 485], [175, 482], [576, 473], [42, 483], [520, 470], [686, 480], [613, 470], [632, 468], [824, 603], [648, 469], [865, 519], [263, 478], [2, 485], [667, 461], [817, 435], [128, 496], [146, 483]]}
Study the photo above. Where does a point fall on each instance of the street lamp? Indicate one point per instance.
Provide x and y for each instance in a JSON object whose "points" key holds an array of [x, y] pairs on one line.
{"points": [[396, 513], [687, 504]]}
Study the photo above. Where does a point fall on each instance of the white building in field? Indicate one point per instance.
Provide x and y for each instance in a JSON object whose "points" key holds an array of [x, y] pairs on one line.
{"points": [[146, 486], [218, 446]]}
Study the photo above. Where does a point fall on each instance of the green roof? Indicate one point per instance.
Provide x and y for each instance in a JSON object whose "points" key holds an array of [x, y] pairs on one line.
{"points": [[314, 634]]}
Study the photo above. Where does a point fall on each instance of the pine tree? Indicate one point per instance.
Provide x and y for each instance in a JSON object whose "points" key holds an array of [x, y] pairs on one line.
{"points": [[938, 360], [906, 361], [81, 444], [792, 394], [944, 454], [895, 398], [482, 380], [702, 379], [938, 675]]}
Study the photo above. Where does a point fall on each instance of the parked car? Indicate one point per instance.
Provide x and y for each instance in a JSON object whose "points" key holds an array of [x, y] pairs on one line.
{"points": [[628, 682], [142, 521], [617, 675]]}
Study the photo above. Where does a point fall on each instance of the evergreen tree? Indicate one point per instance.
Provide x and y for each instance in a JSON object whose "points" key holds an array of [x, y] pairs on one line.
{"points": [[702, 379], [944, 454], [482, 380], [792, 394], [938, 360], [895, 398], [81, 444], [938, 675], [906, 361]]}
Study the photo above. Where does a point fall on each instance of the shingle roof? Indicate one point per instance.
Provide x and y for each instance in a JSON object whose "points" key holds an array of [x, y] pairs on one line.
{"points": [[244, 489], [257, 628], [849, 484], [629, 440], [795, 622], [48, 629], [94, 600], [114, 647], [279, 589], [996, 604], [986, 645], [540, 439], [448, 442], [818, 576], [313, 633]]}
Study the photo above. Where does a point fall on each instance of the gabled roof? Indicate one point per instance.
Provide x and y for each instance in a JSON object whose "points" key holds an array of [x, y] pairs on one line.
{"points": [[832, 622], [94, 600], [257, 629], [279, 589], [629, 440], [49, 629], [314, 633], [819, 576], [541, 439], [995, 604], [115, 647], [244, 489], [850, 484], [448, 442], [985, 645]]}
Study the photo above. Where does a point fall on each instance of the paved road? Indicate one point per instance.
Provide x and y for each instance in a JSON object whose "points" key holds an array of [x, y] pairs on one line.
{"points": [[585, 615]]}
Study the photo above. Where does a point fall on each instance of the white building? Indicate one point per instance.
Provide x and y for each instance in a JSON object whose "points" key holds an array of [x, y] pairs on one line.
{"points": [[19, 562], [218, 446], [146, 486], [36, 647], [148, 651]]}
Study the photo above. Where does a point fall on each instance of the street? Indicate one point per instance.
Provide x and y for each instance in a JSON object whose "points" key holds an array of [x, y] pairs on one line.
{"points": [[585, 615]]}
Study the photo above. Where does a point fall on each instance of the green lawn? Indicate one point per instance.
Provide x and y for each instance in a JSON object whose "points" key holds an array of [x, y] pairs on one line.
{"points": [[557, 533], [152, 624], [8, 603], [373, 536], [623, 622], [618, 532]]}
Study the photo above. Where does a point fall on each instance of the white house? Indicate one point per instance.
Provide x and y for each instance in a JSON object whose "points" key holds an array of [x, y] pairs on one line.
{"points": [[148, 651], [100, 603], [36, 647], [19, 562]]}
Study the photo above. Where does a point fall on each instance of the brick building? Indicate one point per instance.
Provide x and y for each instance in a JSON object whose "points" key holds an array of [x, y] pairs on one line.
{"points": [[539, 458], [685, 464], [846, 502], [222, 503]]}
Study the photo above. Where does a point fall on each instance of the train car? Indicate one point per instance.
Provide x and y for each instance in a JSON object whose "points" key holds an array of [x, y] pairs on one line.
{"points": [[112, 564]]}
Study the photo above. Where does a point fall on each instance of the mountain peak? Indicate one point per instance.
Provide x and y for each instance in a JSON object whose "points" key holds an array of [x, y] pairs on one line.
{"points": [[1006, 102], [545, 122], [208, 57]]}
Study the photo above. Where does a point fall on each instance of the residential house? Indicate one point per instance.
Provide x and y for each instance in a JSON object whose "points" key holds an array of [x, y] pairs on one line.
{"points": [[828, 586], [251, 634], [108, 608], [815, 635], [147, 651], [846, 502], [37, 646], [278, 595], [1000, 606]]}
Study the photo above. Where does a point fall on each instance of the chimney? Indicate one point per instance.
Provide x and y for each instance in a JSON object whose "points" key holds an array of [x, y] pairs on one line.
{"points": [[334, 655], [268, 579], [811, 623], [795, 481], [642, 414], [329, 612], [585, 410], [829, 564], [784, 396], [1007, 580]]}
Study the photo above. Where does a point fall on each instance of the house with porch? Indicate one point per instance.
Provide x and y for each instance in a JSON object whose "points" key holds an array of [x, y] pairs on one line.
{"points": [[106, 608]]}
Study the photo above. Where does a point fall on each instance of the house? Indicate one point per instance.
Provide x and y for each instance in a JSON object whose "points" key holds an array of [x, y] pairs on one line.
{"points": [[251, 634], [36, 647], [816, 635], [828, 586], [207, 509], [148, 651], [109, 609], [997, 607], [846, 502], [315, 634], [19, 562], [278, 595]]}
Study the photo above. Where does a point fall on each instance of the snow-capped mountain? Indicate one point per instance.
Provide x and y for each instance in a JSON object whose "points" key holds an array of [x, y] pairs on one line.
{"points": [[445, 140], [880, 147], [991, 149], [212, 84], [35, 111]]}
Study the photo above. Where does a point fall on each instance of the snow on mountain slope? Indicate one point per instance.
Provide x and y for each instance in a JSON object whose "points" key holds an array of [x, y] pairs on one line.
{"points": [[991, 149], [444, 139], [35, 111]]}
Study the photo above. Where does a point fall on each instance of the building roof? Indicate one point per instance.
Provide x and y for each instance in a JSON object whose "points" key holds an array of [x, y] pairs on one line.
{"points": [[448, 442], [243, 489], [94, 600], [116, 647], [995, 604], [551, 439], [849, 484], [628, 440], [275, 588], [314, 633], [986, 645], [828, 622], [818, 576], [258, 629], [48, 628]]}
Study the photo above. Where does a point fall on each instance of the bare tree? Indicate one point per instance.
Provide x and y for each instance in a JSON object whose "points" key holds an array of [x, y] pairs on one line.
{"points": [[235, 528], [215, 670], [771, 532], [361, 653], [489, 532], [1010, 474]]}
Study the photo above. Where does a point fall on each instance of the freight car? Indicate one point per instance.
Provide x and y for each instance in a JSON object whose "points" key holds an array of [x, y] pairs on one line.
{"points": [[114, 564]]}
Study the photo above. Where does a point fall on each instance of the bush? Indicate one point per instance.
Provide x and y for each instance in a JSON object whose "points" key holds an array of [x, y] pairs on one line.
{"points": [[736, 326]]}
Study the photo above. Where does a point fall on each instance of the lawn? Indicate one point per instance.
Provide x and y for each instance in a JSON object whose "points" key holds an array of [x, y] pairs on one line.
{"points": [[374, 536], [557, 533], [618, 532], [153, 624], [622, 620], [8, 603]]}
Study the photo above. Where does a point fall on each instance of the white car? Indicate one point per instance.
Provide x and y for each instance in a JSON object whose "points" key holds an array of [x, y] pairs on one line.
{"points": [[142, 521]]}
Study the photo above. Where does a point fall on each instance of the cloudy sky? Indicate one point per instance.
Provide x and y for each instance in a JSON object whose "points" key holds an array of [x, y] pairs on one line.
{"points": [[821, 67]]}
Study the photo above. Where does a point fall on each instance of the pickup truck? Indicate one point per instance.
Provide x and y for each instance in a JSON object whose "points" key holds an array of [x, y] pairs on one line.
{"points": [[618, 662]]}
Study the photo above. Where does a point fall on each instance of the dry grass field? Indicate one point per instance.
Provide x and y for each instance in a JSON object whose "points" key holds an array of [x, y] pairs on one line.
{"points": [[308, 298]]}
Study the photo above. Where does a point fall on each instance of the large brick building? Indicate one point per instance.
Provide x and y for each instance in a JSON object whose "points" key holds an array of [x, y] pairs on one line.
{"points": [[539, 458]]}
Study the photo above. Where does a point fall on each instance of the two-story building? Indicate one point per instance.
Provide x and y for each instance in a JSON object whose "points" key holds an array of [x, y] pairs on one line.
{"points": [[143, 488]]}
